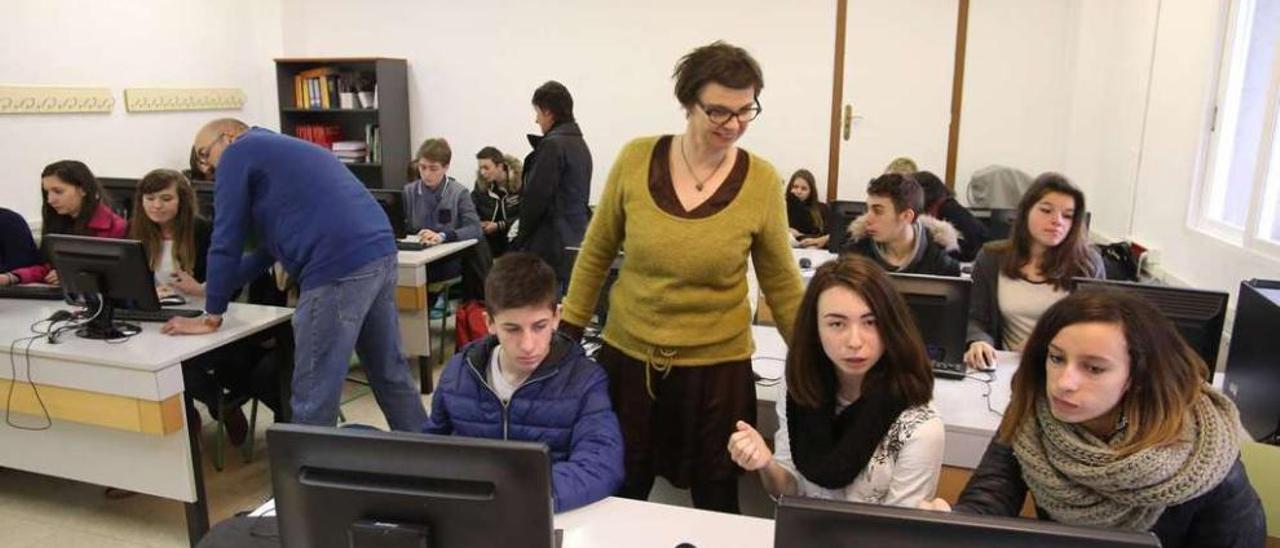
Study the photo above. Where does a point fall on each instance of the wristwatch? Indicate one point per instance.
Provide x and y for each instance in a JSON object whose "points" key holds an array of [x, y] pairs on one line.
{"points": [[212, 320]]}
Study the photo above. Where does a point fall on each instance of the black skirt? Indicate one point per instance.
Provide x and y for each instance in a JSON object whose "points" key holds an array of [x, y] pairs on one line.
{"points": [[682, 432]]}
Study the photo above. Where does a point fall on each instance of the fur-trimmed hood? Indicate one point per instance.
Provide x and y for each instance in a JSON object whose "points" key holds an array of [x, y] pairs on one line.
{"points": [[940, 232]]}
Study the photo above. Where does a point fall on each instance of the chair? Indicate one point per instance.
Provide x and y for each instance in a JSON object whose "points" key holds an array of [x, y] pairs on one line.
{"points": [[1262, 463], [443, 307], [227, 402]]}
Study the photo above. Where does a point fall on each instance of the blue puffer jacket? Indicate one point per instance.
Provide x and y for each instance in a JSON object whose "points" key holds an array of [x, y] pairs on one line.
{"points": [[564, 404]]}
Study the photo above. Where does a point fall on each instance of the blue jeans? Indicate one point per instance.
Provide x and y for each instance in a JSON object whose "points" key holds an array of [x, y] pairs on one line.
{"points": [[355, 312]]}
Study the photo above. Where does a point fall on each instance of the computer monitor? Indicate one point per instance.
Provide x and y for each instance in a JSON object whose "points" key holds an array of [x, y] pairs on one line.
{"points": [[1253, 369], [842, 213], [392, 203], [837, 524], [107, 273], [1000, 223], [204, 196], [940, 305], [119, 192], [1198, 314], [334, 485]]}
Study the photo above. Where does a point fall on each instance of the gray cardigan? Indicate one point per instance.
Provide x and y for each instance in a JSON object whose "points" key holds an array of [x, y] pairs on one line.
{"points": [[985, 321]]}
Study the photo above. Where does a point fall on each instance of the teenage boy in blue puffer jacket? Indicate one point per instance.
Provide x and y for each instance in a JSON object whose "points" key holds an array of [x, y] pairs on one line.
{"points": [[526, 382]]}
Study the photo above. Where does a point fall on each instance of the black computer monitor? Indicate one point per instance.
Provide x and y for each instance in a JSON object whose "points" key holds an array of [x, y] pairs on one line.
{"points": [[1000, 223], [1253, 369], [940, 305], [842, 213], [392, 203], [439, 491], [120, 191], [836, 524], [107, 273], [1197, 313], [204, 197]]}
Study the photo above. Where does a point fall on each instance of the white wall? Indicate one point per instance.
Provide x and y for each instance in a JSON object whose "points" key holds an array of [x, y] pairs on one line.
{"points": [[1017, 86], [473, 67], [163, 43], [1188, 38], [1110, 71]]}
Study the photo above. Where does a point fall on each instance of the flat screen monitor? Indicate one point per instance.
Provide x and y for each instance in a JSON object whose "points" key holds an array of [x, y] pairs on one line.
{"points": [[842, 213], [940, 305], [839, 524], [107, 273], [349, 488], [392, 203], [1198, 314], [1253, 362]]}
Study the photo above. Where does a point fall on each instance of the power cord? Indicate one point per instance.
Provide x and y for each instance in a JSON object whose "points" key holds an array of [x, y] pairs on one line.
{"points": [[987, 380]]}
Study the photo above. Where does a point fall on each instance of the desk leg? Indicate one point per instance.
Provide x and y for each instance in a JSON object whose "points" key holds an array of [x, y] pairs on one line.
{"points": [[424, 371], [198, 511], [285, 341]]}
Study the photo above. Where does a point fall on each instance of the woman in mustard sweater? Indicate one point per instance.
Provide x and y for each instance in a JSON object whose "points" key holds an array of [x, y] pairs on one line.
{"points": [[689, 209]]}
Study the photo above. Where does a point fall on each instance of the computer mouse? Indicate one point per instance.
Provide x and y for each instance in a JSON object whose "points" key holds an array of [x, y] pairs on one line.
{"points": [[805, 263], [173, 300]]}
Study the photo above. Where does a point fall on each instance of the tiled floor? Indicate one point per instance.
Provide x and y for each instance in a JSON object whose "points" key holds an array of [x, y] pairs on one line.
{"points": [[39, 511]]}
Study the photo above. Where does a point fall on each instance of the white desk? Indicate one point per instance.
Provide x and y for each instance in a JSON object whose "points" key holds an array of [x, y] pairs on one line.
{"points": [[118, 415], [961, 404], [411, 300], [624, 523]]}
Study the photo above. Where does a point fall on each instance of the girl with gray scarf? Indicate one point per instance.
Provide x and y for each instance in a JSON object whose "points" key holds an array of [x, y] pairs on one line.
{"points": [[1112, 425]]}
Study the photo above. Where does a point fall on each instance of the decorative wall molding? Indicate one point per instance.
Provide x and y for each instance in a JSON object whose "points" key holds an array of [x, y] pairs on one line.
{"points": [[54, 100], [172, 99]]}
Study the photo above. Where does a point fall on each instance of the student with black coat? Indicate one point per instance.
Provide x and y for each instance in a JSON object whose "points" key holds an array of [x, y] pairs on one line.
{"points": [[497, 197], [940, 203]]}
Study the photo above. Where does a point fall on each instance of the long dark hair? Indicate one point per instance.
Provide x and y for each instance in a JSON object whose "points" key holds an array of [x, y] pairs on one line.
{"points": [[1060, 263], [811, 203], [143, 229], [903, 372], [1165, 374], [76, 174]]}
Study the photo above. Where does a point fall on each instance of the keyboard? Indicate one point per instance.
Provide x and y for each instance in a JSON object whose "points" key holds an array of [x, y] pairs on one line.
{"points": [[41, 292], [949, 370], [162, 315], [410, 245]]}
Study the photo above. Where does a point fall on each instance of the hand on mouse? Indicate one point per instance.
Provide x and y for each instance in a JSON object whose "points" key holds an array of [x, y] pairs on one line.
{"points": [[981, 356]]}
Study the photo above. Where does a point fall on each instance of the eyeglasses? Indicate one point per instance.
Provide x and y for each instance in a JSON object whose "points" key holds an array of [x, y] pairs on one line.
{"points": [[720, 115], [202, 153]]}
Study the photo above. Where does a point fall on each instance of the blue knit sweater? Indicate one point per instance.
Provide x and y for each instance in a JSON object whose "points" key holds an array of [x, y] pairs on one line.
{"points": [[305, 209]]}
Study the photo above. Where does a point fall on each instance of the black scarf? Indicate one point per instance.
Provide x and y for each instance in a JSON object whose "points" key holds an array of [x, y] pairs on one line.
{"points": [[832, 451]]}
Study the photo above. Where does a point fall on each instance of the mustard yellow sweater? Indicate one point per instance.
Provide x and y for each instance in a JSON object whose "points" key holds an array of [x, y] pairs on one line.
{"points": [[681, 296]]}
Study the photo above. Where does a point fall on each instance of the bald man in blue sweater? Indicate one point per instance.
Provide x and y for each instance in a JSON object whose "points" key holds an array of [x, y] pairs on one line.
{"points": [[307, 211]]}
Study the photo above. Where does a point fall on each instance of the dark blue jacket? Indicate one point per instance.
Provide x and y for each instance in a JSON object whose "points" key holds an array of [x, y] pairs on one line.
{"points": [[17, 247], [306, 209], [564, 404]]}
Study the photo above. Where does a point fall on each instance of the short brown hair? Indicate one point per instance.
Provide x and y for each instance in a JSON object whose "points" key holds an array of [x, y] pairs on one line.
{"points": [[903, 372], [724, 64], [519, 280], [1165, 374], [435, 149], [902, 190]]}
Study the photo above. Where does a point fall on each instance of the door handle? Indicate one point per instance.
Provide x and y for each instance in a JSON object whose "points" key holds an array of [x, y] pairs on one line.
{"points": [[848, 120]]}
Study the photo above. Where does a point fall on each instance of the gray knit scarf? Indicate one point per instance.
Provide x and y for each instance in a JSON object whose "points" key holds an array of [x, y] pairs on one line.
{"points": [[1080, 480]]}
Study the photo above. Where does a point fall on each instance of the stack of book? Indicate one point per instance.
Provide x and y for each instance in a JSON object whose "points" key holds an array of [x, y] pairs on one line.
{"points": [[351, 152], [321, 134]]}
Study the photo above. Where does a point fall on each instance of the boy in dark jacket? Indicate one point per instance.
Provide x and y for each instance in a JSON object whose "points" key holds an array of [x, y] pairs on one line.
{"points": [[894, 234], [525, 382]]}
